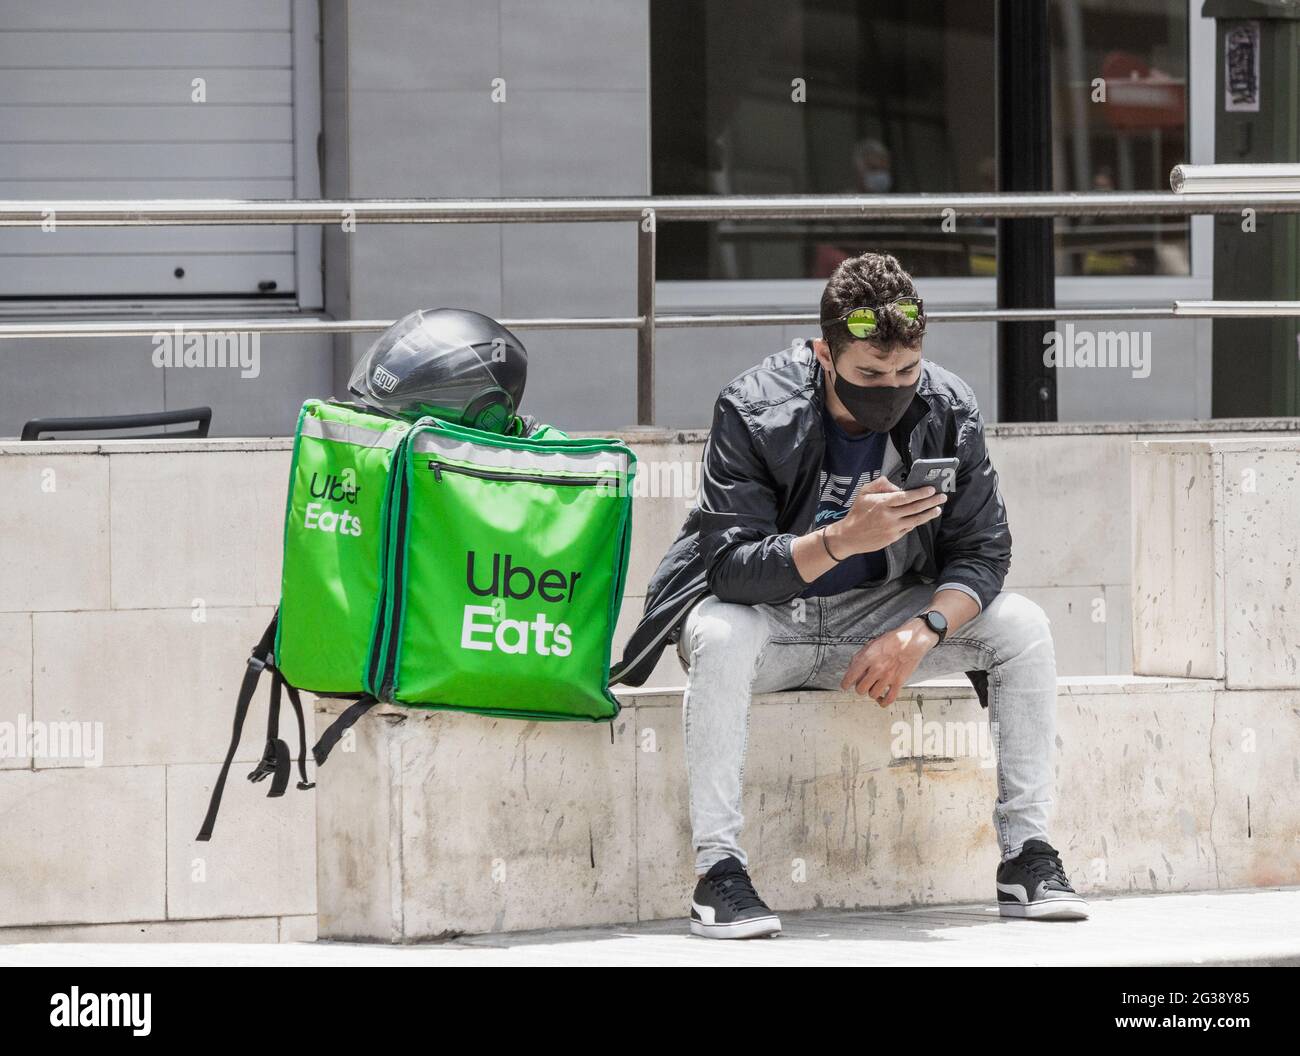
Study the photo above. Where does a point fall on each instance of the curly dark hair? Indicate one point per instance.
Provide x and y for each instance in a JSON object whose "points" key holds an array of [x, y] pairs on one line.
{"points": [[868, 280]]}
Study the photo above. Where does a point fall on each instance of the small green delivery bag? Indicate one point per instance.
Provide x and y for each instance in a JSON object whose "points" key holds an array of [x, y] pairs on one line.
{"points": [[333, 536], [438, 566]]}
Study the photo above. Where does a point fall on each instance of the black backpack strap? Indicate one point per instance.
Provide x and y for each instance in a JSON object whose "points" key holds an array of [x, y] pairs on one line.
{"points": [[296, 701], [339, 727], [257, 663], [275, 756]]}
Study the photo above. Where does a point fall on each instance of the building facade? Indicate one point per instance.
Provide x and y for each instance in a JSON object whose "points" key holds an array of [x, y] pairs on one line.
{"points": [[518, 98]]}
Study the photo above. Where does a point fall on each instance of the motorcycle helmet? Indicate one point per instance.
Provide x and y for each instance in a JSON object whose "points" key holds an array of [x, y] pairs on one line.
{"points": [[451, 363]]}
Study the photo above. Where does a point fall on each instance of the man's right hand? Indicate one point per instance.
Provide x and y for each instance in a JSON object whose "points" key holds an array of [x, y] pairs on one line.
{"points": [[882, 514]]}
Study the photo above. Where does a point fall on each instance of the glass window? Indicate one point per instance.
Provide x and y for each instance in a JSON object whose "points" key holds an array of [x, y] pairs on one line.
{"points": [[756, 97], [819, 97], [1119, 118]]}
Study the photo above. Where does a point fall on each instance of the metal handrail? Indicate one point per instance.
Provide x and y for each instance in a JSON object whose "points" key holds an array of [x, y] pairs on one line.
{"points": [[1243, 179], [151, 327], [172, 212], [646, 212]]}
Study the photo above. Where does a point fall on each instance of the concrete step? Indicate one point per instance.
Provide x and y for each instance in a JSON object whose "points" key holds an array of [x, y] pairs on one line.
{"points": [[443, 824], [1238, 927]]}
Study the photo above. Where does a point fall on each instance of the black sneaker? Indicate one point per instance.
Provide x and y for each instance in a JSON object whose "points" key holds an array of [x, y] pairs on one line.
{"points": [[1033, 884], [726, 906]]}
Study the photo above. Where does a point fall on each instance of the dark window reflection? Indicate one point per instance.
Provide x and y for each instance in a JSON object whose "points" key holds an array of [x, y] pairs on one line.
{"points": [[899, 98]]}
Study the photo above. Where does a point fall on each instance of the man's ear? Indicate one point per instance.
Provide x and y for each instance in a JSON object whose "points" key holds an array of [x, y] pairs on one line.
{"points": [[822, 351]]}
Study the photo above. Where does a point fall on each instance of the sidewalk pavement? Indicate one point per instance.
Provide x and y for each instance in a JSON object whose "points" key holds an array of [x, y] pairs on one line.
{"points": [[1232, 927]]}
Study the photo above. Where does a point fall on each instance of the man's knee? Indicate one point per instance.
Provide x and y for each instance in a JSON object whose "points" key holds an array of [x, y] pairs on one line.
{"points": [[1021, 623], [722, 629]]}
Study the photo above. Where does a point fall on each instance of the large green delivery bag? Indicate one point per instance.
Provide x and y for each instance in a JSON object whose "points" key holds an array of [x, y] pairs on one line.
{"points": [[507, 560], [438, 566]]}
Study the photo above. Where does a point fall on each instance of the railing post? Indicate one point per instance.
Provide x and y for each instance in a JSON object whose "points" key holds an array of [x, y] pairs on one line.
{"points": [[645, 308]]}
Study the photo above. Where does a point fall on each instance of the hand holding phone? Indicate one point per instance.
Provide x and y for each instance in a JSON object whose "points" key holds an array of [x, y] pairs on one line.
{"points": [[882, 514]]}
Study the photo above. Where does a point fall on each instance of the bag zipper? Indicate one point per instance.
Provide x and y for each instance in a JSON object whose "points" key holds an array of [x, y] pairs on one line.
{"points": [[377, 651], [395, 619], [537, 478], [384, 660]]}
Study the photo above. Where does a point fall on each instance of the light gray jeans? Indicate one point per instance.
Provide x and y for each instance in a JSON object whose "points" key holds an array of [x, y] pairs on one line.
{"points": [[731, 651]]}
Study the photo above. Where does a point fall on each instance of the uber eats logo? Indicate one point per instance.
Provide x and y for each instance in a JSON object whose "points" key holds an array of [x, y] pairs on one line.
{"points": [[335, 489], [508, 581]]}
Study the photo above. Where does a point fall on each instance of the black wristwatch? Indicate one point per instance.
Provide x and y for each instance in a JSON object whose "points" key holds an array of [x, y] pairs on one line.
{"points": [[937, 622]]}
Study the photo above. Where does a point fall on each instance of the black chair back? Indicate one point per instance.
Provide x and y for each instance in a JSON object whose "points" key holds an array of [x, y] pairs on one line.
{"points": [[201, 416]]}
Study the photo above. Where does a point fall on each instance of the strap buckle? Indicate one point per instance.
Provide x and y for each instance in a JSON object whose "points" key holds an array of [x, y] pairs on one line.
{"points": [[266, 765]]}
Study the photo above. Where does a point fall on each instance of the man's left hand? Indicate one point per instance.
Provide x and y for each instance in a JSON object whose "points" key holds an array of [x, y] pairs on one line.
{"points": [[882, 667]]}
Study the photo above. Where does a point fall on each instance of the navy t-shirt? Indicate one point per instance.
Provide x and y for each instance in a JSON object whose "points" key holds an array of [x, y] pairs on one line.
{"points": [[849, 464]]}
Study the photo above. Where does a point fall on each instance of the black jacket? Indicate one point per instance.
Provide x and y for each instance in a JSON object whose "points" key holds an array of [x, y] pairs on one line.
{"points": [[758, 492]]}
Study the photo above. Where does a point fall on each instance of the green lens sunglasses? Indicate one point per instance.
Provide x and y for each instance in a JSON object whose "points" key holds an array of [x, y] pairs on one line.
{"points": [[863, 322]]}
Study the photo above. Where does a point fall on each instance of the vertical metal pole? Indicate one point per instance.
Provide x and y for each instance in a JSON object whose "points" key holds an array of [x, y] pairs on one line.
{"points": [[1026, 268], [645, 308]]}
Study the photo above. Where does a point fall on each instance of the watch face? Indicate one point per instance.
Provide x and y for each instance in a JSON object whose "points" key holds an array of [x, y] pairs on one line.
{"points": [[937, 622]]}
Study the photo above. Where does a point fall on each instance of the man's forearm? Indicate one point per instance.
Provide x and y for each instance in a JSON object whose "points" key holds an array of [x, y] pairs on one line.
{"points": [[811, 557]]}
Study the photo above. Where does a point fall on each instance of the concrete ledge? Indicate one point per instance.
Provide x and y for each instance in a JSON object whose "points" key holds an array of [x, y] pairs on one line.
{"points": [[438, 824], [135, 598], [650, 434], [1215, 559], [933, 689]]}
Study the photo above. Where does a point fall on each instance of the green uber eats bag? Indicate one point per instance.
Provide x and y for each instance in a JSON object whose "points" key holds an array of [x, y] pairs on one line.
{"points": [[333, 536], [506, 560], [438, 566]]}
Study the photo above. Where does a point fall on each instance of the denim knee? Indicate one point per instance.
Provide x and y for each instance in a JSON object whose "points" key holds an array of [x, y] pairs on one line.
{"points": [[725, 633], [1022, 624]]}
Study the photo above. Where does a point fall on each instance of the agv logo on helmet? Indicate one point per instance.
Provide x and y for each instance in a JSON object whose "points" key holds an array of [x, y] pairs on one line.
{"points": [[384, 380]]}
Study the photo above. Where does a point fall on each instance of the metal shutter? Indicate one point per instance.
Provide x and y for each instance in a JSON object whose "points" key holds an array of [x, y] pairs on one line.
{"points": [[95, 102]]}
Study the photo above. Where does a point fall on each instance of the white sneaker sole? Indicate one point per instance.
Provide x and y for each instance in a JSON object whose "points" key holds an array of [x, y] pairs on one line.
{"points": [[756, 928], [1051, 909]]}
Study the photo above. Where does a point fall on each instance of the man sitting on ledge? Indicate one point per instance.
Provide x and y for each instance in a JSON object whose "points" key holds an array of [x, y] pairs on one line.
{"points": [[804, 566]]}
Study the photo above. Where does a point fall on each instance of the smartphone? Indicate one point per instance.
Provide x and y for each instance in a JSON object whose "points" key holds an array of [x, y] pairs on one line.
{"points": [[938, 473]]}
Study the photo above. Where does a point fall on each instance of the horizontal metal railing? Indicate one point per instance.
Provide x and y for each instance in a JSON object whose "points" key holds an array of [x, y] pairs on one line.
{"points": [[1268, 196], [150, 327], [172, 212]]}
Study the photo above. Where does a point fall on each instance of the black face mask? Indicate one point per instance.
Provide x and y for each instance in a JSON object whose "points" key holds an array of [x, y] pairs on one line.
{"points": [[875, 407]]}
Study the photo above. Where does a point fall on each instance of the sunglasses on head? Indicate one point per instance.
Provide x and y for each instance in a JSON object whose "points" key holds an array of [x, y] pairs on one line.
{"points": [[864, 322]]}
